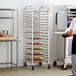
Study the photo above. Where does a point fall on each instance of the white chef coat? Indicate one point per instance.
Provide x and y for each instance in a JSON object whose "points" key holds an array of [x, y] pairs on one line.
{"points": [[72, 26]]}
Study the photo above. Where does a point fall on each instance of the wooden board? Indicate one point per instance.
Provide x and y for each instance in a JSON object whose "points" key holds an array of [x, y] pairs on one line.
{"points": [[36, 60], [37, 49], [35, 43], [36, 38], [36, 54], [7, 38]]}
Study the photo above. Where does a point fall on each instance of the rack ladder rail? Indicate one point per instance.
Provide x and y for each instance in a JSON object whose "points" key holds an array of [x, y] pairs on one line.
{"points": [[32, 30], [28, 27], [44, 23]]}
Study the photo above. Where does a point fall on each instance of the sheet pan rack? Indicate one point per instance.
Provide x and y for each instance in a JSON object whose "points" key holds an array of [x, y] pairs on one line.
{"points": [[36, 36]]}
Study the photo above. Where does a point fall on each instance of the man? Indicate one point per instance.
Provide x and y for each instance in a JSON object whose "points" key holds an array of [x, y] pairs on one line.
{"points": [[71, 31]]}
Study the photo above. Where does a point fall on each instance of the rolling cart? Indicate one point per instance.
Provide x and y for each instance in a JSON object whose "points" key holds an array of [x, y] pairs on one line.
{"points": [[63, 16], [64, 50], [36, 36]]}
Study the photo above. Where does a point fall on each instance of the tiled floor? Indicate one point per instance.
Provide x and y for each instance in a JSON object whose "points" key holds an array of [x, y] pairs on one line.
{"points": [[38, 71]]}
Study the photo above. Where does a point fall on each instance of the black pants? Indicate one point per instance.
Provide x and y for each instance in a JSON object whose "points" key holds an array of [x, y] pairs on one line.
{"points": [[74, 44], [74, 55]]}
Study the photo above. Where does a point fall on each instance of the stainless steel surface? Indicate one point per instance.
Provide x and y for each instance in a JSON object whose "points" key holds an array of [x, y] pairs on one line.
{"points": [[4, 31]]}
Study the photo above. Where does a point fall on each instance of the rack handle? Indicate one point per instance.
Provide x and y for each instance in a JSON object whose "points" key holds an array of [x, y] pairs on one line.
{"points": [[56, 20]]}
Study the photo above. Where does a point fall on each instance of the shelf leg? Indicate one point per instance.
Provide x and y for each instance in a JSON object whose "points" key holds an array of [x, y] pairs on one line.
{"points": [[16, 54], [11, 54]]}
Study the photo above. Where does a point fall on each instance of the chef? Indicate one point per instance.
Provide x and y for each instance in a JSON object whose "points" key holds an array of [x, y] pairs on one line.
{"points": [[71, 31]]}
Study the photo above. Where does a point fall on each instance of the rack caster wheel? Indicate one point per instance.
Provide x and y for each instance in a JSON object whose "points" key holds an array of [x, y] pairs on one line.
{"points": [[54, 63], [32, 67], [48, 66], [40, 63], [64, 67], [25, 64]]}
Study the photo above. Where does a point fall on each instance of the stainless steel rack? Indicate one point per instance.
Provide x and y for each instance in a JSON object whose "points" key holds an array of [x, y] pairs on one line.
{"points": [[36, 35], [12, 36]]}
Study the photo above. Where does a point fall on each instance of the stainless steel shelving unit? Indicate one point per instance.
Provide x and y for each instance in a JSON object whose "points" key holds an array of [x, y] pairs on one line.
{"points": [[36, 35], [10, 14]]}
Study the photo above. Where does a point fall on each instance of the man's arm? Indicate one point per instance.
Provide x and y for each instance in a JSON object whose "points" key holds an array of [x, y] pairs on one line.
{"points": [[70, 31]]}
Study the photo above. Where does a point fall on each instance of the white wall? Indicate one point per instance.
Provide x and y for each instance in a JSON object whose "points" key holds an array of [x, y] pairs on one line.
{"points": [[35, 3]]}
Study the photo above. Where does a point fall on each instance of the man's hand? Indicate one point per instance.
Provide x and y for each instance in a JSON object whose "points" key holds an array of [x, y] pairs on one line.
{"points": [[64, 35], [68, 33]]}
